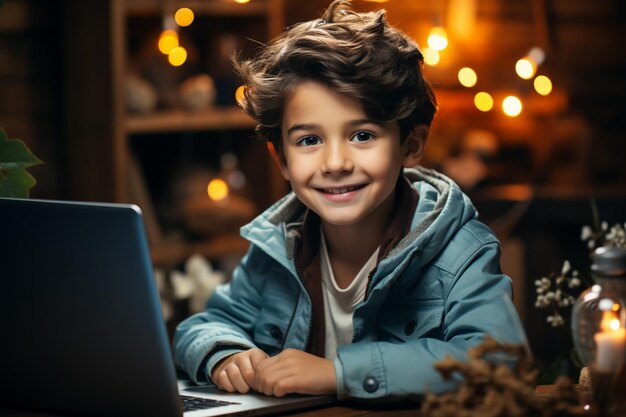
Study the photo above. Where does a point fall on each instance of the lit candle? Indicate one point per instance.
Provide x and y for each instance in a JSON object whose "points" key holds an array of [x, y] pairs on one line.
{"points": [[610, 343]]}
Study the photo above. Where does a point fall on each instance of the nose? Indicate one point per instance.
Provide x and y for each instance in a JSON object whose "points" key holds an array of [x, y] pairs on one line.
{"points": [[337, 159]]}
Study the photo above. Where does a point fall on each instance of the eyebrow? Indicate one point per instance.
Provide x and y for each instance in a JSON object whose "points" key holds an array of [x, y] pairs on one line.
{"points": [[311, 126]]}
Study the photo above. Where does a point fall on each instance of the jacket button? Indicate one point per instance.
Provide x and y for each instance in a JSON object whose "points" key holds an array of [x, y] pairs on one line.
{"points": [[370, 384], [410, 327], [276, 333]]}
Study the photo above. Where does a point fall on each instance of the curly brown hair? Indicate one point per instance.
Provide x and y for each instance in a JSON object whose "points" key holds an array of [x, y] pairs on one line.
{"points": [[355, 54]]}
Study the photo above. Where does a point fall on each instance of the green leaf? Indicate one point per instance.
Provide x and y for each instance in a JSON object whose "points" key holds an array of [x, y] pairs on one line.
{"points": [[14, 154], [15, 157], [16, 183]]}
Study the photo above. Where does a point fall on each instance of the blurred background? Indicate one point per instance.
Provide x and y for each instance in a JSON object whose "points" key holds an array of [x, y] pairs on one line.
{"points": [[135, 101]]}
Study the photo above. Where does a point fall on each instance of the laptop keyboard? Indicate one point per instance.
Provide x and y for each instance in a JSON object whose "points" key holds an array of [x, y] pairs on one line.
{"points": [[197, 403]]}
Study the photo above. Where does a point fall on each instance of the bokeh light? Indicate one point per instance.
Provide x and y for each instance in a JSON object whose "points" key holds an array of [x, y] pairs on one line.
{"points": [[467, 77], [168, 40], [437, 38], [217, 189], [483, 101], [239, 94], [183, 16], [512, 106], [431, 57], [537, 55], [177, 56], [543, 85], [525, 68]]}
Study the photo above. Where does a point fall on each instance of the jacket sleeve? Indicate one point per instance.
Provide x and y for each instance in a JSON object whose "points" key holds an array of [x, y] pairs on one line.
{"points": [[224, 328], [477, 302]]}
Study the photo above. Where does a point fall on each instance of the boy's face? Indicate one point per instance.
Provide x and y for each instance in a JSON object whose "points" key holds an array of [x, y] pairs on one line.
{"points": [[340, 164]]}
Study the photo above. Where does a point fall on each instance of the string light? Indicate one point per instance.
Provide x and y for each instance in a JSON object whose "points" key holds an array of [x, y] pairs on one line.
{"points": [[431, 57], [437, 38], [512, 106], [536, 55], [467, 77], [483, 101], [525, 68], [177, 56], [184, 16], [217, 189], [543, 85], [168, 40], [239, 94]]}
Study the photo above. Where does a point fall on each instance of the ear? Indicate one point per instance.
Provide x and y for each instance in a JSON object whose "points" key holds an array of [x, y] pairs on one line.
{"points": [[280, 161], [414, 146]]}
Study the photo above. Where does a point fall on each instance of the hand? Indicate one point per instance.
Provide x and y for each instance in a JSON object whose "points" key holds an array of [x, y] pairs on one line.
{"points": [[295, 371], [235, 373]]}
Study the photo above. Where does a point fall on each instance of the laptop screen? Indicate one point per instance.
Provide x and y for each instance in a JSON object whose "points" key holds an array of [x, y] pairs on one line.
{"points": [[81, 323]]}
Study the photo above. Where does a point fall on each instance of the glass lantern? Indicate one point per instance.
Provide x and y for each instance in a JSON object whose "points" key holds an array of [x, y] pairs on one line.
{"points": [[599, 324]]}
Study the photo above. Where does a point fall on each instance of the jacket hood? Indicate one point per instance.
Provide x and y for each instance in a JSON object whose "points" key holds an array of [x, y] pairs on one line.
{"points": [[442, 209]]}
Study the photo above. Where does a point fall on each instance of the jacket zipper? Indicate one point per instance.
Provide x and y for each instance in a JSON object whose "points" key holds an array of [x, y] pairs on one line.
{"points": [[293, 315]]}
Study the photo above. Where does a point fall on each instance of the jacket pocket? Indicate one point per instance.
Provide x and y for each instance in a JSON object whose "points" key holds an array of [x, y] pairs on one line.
{"points": [[403, 320]]}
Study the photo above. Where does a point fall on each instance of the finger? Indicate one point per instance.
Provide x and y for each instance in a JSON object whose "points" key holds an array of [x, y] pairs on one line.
{"points": [[223, 382], [257, 357], [266, 381], [236, 379], [246, 369]]}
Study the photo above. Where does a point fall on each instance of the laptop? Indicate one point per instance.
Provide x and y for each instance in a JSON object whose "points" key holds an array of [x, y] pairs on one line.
{"points": [[81, 326]]}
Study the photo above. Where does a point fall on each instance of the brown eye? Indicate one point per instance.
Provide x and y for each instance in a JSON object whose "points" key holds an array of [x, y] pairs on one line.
{"points": [[362, 136], [308, 141]]}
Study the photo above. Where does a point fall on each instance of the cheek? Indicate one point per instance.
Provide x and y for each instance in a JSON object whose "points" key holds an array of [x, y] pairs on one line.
{"points": [[377, 165]]}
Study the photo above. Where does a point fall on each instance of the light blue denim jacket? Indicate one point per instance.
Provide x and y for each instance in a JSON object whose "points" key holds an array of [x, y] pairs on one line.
{"points": [[438, 292]]}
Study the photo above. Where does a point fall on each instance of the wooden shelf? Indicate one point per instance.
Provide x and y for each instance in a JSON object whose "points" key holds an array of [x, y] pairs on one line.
{"points": [[172, 253], [180, 120]]}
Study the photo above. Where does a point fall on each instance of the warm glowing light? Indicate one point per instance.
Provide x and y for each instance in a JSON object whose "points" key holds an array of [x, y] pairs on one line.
{"points": [[512, 106], [483, 101], [242, 1], [431, 57], [614, 325], [239, 94], [217, 189], [537, 55], [168, 40], [467, 77], [525, 68], [177, 56], [543, 85], [609, 321], [437, 38], [183, 16]]}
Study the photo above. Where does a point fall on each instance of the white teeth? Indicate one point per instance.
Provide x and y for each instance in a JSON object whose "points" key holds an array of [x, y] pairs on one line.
{"points": [[339, 190]]}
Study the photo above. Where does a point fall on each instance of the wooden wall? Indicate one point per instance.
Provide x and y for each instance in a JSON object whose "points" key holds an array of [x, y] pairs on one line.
{"points": [[31, 88]]}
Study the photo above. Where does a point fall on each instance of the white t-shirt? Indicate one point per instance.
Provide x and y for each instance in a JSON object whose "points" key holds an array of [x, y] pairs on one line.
{"points": [[339, 303]]}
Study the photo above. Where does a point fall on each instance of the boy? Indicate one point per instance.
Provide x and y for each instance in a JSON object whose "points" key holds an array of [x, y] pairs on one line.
{"points": [[368, 273]]}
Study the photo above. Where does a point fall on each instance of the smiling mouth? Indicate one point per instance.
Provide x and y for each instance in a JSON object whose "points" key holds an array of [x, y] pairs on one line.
{"points": [[342, 190]]}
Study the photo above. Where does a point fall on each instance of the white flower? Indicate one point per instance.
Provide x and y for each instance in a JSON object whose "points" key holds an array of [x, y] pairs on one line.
{"points": [[574, 282], [566, 267], [604, 226], [555, 320], [585, 233]]}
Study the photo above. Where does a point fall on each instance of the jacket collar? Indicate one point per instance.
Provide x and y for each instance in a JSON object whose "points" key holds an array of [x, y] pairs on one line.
{"points": [[406, 198]]}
